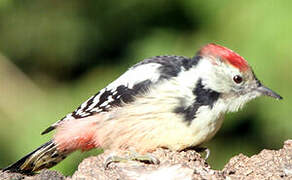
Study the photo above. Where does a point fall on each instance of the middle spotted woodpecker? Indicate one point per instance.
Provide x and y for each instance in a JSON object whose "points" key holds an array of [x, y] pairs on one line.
{"points": [[174, 102]]}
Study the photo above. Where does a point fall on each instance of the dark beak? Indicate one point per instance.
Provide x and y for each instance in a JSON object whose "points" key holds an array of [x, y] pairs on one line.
{"points": [[268, 92]]}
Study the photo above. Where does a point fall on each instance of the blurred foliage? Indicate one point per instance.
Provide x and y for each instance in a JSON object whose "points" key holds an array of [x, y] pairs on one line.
{"points": [[58, 53]]}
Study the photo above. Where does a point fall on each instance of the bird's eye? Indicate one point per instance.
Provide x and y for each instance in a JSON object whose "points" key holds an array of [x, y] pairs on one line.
{"points": [[237, 79]]}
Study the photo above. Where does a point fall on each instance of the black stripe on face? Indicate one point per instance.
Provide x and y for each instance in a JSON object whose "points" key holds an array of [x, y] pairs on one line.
{"points": [[204, 97]]}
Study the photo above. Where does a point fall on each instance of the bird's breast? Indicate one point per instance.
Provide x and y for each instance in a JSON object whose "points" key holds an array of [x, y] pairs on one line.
{"points": [[150, 122]]}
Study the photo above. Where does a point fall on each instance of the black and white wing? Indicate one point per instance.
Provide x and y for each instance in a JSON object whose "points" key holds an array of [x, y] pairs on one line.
{"points": [[137, 80]]}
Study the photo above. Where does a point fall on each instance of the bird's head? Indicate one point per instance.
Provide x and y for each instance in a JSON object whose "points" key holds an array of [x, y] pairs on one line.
{"points": [[229, 74]]}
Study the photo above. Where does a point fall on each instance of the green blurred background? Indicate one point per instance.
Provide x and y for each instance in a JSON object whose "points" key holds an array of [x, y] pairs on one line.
{"points": [[55, 54]]}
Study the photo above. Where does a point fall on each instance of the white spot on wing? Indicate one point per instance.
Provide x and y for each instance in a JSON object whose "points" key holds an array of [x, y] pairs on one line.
{"points": [[104, 103], [96, 110], [95, 101], [110, 99], [137, 74]]}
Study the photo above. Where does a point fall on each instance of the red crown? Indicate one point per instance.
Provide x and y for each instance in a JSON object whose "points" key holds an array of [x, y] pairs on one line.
{"points": [[225, 54]]}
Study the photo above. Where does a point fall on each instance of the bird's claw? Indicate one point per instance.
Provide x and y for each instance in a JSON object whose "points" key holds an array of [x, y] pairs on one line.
{"points": [[204, 149], [112, 159], [148, 158]]}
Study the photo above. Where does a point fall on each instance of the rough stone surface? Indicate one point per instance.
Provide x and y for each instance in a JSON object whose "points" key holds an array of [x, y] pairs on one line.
{"points": [[173, 165], [42, 175], [268, 164]]}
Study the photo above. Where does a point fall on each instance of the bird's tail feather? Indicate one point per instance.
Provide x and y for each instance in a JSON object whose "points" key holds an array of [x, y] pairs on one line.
{"points": [[45, 156]]}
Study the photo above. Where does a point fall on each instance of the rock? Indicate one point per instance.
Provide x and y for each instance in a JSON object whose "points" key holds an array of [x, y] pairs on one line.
{"points": [[268, 164], [42, 175], [173, 165]]}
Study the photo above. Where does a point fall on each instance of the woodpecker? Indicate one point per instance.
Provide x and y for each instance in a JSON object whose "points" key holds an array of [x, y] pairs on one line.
{"points": [[173, 102]]}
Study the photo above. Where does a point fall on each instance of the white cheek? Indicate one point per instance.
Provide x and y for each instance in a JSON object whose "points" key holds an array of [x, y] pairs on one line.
{"points": [[217, 77], [236, 103]]}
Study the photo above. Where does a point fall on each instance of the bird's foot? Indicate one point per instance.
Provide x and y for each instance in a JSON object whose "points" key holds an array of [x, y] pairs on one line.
{"points": [[132, 156], [200, 150], [205, 150]]}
